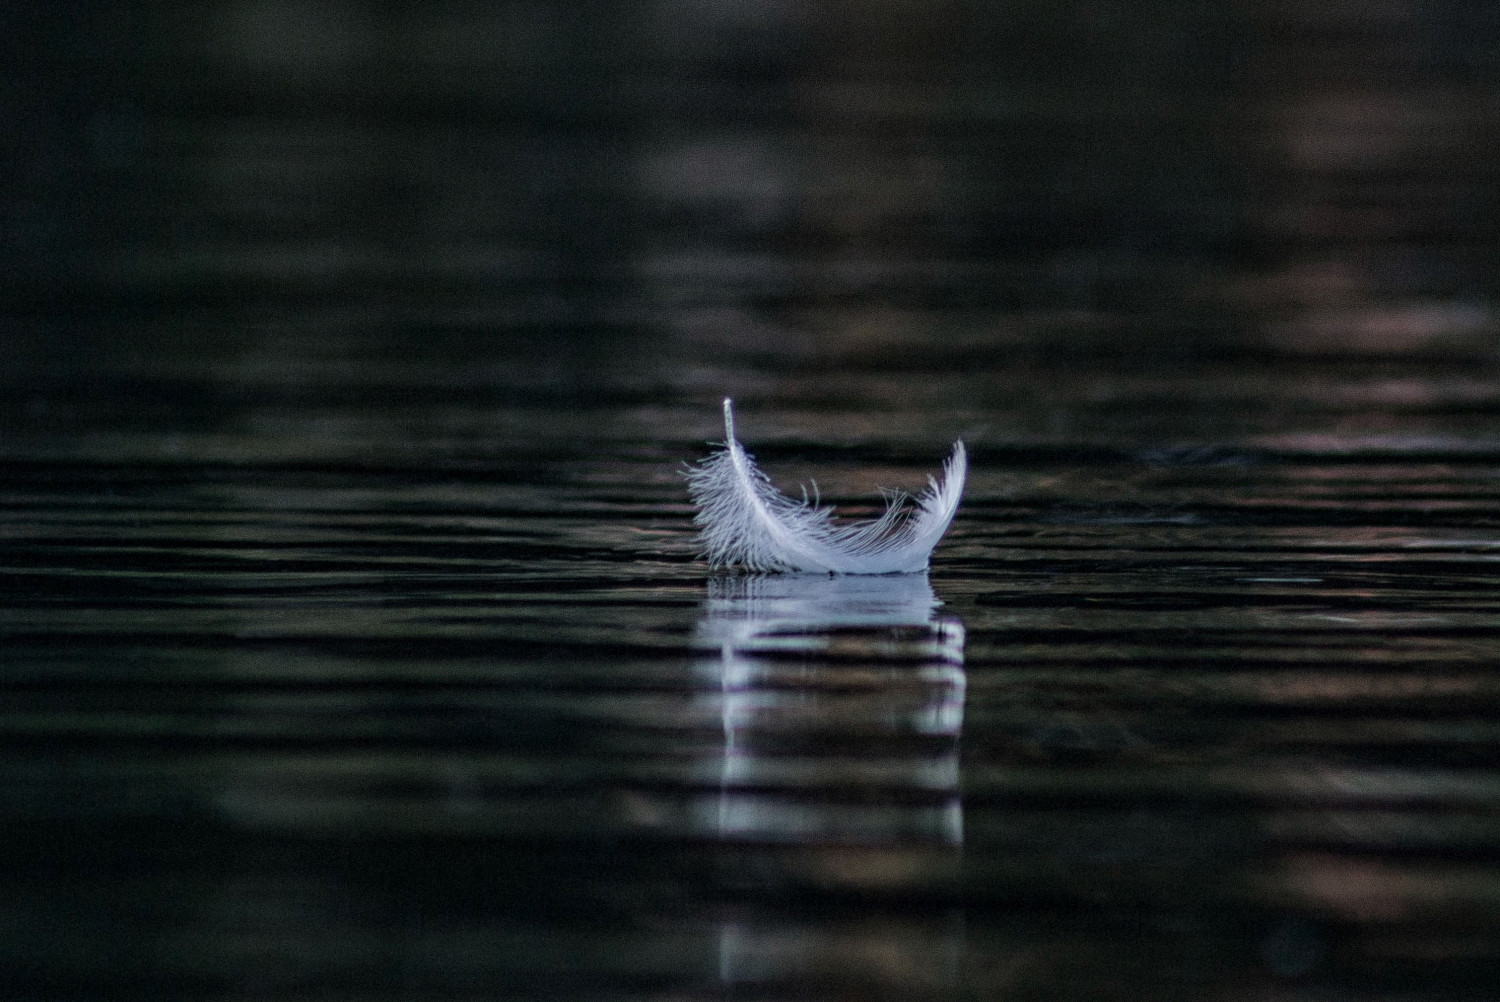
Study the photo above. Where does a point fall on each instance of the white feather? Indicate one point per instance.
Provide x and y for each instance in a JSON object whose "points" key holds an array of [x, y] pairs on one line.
{"points": [[745, 522]]}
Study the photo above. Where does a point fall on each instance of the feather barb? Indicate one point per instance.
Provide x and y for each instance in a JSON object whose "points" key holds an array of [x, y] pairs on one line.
{"points": [[745, 522]]}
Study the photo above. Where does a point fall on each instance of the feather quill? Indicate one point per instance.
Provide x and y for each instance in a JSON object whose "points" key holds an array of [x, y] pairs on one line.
{"points": [[745, 522]]}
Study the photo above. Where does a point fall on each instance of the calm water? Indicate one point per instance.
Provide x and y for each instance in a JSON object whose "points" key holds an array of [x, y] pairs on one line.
{"points": [[352, 640], [1182, 716]]}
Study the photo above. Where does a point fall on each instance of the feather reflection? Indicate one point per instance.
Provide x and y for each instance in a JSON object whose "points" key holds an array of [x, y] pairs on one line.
{"points": [[842, 704]]}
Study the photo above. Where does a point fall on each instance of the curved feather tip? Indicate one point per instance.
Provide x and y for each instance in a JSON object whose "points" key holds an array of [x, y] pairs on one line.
{"points": [[745, 522]]}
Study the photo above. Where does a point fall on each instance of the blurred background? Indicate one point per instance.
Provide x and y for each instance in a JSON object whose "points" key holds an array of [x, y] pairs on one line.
{"points": [[328, 186], [352, 638]]}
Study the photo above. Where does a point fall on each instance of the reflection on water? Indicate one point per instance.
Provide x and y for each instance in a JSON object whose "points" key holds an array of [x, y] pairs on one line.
{"points": [[842, 702], [843, 685]]}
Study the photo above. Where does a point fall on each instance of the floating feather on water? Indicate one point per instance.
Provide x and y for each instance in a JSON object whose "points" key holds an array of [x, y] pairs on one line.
{"points": [[745, 522]]}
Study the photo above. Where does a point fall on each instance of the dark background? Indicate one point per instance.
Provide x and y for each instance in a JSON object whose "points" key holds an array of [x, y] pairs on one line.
{"points": [[351, 632], [910, 183]]}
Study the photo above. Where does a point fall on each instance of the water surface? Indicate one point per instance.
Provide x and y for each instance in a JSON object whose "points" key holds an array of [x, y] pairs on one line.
{"points": [[353, 643]]}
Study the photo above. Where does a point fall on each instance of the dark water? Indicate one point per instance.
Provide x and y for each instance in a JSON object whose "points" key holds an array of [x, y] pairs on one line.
{"points": [[352, 641]]}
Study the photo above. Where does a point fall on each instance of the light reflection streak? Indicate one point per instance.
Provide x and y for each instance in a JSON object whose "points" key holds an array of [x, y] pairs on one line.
{"points": [[842, 704], [864, 665]]}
